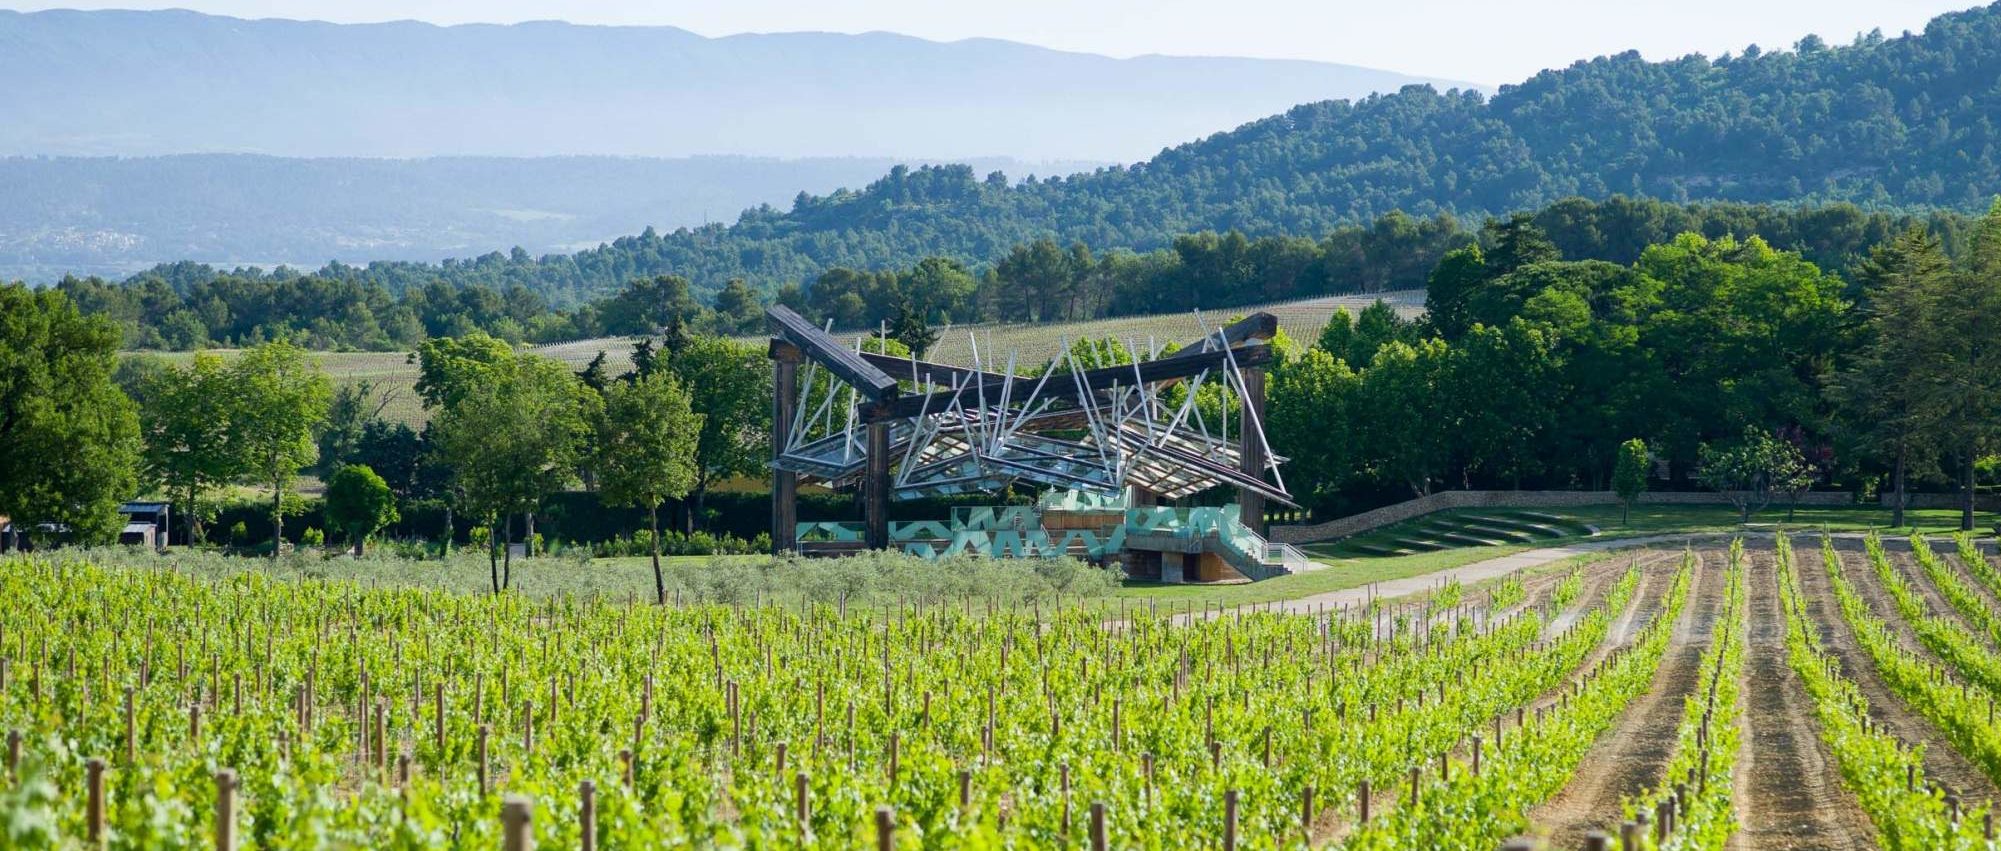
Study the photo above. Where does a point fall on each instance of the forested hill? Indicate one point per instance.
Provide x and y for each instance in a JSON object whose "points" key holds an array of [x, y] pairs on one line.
{"points": [[113, 216], [1887, 122], [1904, 121]]}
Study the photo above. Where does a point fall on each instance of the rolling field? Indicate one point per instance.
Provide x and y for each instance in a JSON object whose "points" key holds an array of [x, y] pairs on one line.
{"points": [[1766, 693], [393, 374]]}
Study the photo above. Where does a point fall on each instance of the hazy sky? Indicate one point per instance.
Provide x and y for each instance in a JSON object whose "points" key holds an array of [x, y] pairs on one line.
{"points": [[1483, 41]]}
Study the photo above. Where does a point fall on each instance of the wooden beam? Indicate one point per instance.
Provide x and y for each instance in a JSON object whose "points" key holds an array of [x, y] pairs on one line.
{"points": [[1257, 326], [785, 359], [875, 486], [936, 373], [1251, 451], [873, 383]]}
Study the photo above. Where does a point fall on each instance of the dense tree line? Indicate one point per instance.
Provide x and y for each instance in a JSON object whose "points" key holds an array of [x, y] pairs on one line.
{"points": [[187, 306], [1739, 366]]}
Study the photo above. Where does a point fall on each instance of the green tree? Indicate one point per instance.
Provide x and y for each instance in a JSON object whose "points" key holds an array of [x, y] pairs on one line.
{"points": [[186, 424], [1629, 475], [646, 305], [354, 406], [1517, 242], [737, 308], [1967, 385], [1451, 287], [1376, 326], [1501, 393], [71, 437], [1308, 418], [280, 399], [450, 367], [940, 289], [1750, 470], [360, 504], [730, 384], [594, 374], [1743, 336], [647, 436], [510, 441], [910, 329], [1885, 395], [1401, 414]]}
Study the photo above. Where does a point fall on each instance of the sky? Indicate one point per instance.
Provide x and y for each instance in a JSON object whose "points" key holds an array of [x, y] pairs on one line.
{"points": [[1480, 41]]}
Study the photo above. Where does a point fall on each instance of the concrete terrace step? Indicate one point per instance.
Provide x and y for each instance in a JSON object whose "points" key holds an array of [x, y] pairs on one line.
{"points": [[1510, 536]]}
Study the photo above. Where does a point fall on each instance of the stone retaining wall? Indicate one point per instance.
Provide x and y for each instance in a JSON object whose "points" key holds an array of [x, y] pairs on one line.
{"points": [[1982, 502], [1446, 500]]}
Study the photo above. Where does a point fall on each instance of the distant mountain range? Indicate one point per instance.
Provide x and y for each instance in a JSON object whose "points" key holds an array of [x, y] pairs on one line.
{"points": [[170, 82], [114, 216]]}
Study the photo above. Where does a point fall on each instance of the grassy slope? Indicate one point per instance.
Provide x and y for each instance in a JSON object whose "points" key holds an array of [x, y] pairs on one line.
{"points": [[393, 374]]}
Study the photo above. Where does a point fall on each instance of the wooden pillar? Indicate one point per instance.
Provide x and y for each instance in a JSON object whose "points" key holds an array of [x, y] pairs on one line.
{"points": [[785, 360], [875, 486], [1252, 450]]}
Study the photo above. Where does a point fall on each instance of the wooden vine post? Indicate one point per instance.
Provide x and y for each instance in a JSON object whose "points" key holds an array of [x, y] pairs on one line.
{"points": [[587, 816], [94, 801], [484, 733], [225, 810], [885, 829], [516, 822], [13, 752], [1230, 820]]}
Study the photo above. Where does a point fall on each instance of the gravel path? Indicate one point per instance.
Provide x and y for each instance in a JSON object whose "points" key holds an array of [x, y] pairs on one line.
{"points": [[1479, 571]]}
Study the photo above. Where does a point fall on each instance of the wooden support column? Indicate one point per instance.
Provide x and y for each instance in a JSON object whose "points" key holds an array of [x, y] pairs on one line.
{"points": [[876, 486], [785, 360], [1252, 450]]}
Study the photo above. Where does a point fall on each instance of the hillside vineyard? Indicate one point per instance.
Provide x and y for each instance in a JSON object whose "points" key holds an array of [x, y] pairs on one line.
{"points": [[402, 718]]}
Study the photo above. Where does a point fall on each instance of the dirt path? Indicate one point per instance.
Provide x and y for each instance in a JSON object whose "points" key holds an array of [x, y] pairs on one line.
{"points": [[1789, 793], [1596, 585], [1656, 579], [1906, 565], [1943, 764], [1951, 556], [1476, 572], [1633, 755]]}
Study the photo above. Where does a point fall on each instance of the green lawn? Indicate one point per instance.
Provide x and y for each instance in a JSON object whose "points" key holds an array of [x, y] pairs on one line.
{"points": [[1339, 574], [1654, 519]]}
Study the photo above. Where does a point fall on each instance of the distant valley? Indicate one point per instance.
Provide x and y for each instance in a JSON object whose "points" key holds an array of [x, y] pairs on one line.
{"points": [[115, 216]]}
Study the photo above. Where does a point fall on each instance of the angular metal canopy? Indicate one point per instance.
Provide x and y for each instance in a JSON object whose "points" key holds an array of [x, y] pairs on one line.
{"points": [[1171, 425]]}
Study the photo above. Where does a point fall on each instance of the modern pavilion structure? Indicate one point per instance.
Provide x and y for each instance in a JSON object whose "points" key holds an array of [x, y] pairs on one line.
{"points": [[1108, 448]]}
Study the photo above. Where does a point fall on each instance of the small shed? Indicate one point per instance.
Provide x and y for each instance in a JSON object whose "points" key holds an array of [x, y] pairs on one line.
{"points": [[139, 534], [146, 523]]}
